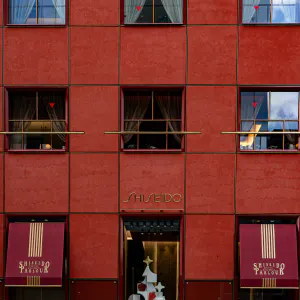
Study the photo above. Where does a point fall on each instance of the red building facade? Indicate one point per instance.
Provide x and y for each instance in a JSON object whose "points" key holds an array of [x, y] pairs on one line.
{"points": [[94, 185]]}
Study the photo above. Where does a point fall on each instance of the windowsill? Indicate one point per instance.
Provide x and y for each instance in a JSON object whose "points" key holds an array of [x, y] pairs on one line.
{"points": [[270, 151], [35, 25], [271, 24], [153, 24], [36, 151], [152, 150]]}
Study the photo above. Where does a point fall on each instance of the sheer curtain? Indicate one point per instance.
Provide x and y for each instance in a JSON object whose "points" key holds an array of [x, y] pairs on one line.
{"points": [[135, 108], [297, 11], [131, 11], [55, 114], [249, 112], [289, 10], [174, 10], [23, 109], [170, 106], [60, 9], [19, 11], [249, 10]]}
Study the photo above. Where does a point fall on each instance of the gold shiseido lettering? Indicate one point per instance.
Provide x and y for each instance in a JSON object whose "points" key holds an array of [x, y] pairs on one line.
{"points": [[153, 197]]}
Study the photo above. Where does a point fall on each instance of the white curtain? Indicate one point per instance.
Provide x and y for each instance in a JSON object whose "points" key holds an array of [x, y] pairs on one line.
{"points": [[288, 8], [135, 108], [249, 112], [297, 11], [170, 106], [131, 11], [19, 11], [174, 10], [249, 10], [60, 9]]}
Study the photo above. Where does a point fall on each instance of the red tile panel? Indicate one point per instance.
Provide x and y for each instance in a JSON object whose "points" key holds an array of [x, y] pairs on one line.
{"points": [[157, 177], [210, 183], [90, 113], [102, 289], [36, 56], [36, 183], [265, 58], [153, 55], [212, 55], [211, 109], [267, 183], [209, 247], [212, 12], [94, 182], [94, 55], [208, 290], [94, 12], [94, 246], [2, 219]]}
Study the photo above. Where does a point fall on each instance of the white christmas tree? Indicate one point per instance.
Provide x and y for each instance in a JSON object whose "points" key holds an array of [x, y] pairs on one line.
{"points": [[146, 287]]}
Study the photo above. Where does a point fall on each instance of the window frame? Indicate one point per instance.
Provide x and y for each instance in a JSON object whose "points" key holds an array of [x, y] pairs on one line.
{"points": [[178, 216], [7, 24], [183, 118], [266, 89], [6, 122], [240, 15], [122, 17], [13, 218]]}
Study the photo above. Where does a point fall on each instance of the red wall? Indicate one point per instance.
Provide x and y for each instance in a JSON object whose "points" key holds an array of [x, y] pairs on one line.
{"points": [[94, 57]]}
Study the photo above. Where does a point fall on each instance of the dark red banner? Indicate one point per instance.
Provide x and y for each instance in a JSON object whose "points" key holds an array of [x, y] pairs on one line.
{"points": [[35, 254], [268, 256]]}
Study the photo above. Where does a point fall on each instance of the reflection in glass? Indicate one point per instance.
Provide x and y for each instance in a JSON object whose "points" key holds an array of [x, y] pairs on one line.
{"points": [[284, 105], [284, 11], [158, 239]]}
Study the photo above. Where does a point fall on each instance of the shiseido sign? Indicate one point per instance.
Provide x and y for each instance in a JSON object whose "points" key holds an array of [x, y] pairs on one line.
{"points": [[154, 197]]}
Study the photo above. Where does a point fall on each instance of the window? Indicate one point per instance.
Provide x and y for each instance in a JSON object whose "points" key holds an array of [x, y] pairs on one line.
{"points": [[42, 111], [153, 111], [274, 112], [33, 12], [271, 11], [151, 257], [153, 11]]}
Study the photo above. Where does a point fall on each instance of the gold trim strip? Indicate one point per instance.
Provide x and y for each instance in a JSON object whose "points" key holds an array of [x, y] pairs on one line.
{"points": [[260, 132], [262, 241], [259, 287], [35, 285], [152, 132], [41, 240], [30, 240], [50, 132]]}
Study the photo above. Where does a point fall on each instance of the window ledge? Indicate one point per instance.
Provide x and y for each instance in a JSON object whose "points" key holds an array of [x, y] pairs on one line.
{"points": [[270, 24], [153, 24], [167, 151], [36, 151], [36, 25], [270, 151]]}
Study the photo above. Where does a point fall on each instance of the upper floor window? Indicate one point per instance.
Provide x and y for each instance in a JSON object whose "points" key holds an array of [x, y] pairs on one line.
{"points": [[152, 111], [42, 112], [153, 11], [269, 112], [33, 12], [271, 11]]}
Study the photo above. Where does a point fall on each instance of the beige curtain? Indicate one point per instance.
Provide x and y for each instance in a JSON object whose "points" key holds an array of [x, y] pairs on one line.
{"points": [[23, 110], [135, 108], [171, 106], [55, 113]]}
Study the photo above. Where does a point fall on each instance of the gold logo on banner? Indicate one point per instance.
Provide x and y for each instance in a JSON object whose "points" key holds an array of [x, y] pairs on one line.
{"points": [[34, 280], [268, 251], [156, 198], [35, 247]]}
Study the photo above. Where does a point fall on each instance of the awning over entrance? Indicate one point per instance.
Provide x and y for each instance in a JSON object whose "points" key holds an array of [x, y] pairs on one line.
{"points": [[268, 256], [35, 254]]}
